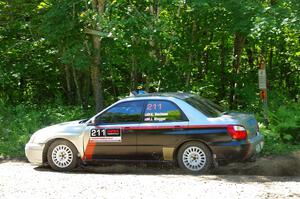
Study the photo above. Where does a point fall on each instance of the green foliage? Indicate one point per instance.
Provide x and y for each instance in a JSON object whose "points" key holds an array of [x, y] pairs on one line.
{"points": [[283, 135], [170, 46], [275, 145], [286, 123], [19, 122]]}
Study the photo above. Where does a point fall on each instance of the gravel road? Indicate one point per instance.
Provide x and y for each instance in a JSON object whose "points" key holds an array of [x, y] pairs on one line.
{"points": [[22, 180]]}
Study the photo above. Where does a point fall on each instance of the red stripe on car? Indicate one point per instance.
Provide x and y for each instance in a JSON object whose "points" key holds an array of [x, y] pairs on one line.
{"points": [[163, 127], [88, 154]]}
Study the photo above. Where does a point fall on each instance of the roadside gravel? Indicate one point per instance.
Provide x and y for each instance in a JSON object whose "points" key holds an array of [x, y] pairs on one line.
{"points": [[22, 180]]}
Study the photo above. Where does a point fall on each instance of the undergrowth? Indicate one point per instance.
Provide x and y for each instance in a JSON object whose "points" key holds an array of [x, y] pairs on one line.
{"points": [[283, 133], [19, 122]]}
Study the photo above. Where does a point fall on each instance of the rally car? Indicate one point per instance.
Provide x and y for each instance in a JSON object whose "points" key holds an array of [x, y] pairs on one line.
{"points": [[184, 128]]}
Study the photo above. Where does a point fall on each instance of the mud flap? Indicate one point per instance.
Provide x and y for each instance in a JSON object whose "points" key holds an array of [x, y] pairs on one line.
{"points": [[215, 162]]}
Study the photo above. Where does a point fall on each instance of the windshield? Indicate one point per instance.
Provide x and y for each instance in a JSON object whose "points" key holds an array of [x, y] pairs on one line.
{"points": [[205, 106]]}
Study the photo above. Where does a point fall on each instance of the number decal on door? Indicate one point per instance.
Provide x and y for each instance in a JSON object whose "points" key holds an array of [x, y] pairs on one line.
{"points": [[106, 135], [97, 132]]}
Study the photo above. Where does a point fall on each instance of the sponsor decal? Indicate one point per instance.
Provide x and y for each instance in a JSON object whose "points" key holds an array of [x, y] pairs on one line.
{"points": [[106, 135], [113, 132], [106, 139]]}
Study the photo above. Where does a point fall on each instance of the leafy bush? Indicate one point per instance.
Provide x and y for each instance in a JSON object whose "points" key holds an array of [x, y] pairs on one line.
{"points": [[19, 122], [274, 144], [286, 123], [283, 135]]}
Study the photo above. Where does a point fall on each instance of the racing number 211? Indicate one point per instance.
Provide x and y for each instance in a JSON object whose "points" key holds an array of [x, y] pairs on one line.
{"points": [[154, 107], [97, 132]]}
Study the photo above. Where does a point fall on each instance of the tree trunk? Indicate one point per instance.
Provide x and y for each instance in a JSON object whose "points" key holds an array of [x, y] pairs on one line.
{"points": [[206, 52], [86, 84], [113, 85], [250, 57], [78, 92], [222, 70], [239, 41], [134, 72], [68, 79], [270, 65], [95, 75], [154, 54], [189, 71], [99, 7], [68, 84], [204, 59], [191, 55]]}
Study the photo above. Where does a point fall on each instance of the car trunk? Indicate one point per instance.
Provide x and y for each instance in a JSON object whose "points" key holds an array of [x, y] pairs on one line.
{"points": [[248, 121]]}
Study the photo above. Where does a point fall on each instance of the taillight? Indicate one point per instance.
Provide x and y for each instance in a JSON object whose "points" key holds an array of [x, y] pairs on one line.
{"points": [[237, 132]]}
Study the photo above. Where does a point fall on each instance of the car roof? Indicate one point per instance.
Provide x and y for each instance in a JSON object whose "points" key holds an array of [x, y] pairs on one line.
{"points": [[179, 95]]}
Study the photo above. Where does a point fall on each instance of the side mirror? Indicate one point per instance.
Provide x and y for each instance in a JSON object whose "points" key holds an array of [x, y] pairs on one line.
{"points": [[91, 122]]}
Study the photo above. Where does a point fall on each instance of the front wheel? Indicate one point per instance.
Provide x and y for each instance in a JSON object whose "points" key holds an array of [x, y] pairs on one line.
{"points": [[62, 156], [194, 158]]}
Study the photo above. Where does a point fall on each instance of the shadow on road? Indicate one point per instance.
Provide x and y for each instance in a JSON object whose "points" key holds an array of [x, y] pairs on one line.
{"points": [[234, 173], [269, 166], [125, 168], [265, 167]]}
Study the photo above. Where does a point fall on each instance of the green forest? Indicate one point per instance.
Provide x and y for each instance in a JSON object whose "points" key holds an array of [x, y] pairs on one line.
{"points": [[68, 59]]}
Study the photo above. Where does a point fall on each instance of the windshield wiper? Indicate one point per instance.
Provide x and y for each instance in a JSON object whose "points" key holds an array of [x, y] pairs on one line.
{"points": [[225, 113]]}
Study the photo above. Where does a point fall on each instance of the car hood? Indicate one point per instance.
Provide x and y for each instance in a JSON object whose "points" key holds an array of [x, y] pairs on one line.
{"points": [[66, 128]]}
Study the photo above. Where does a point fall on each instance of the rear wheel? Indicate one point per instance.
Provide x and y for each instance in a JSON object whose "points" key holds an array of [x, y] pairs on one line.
{"points": [[194, 158], [62, 155]]}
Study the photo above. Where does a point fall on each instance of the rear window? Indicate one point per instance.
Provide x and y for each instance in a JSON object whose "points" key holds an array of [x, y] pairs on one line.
{"points": [[205, 106]]}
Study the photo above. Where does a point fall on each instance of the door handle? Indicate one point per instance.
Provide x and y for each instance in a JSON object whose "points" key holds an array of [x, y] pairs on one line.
{"points": [[126, 129]]}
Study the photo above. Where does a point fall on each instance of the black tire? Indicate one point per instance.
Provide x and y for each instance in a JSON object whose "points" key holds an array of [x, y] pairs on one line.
{"points": [[62, 155], [194, 158]]}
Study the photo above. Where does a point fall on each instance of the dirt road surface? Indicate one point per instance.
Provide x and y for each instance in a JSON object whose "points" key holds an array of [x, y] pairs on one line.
{"points": [[21, 180]]}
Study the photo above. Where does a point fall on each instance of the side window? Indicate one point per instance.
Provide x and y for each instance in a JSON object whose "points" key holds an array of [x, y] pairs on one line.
{"points": [[162, 111], [126, 112]]}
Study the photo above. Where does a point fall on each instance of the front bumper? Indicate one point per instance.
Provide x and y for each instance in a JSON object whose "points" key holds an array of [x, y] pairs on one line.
{"points": [[256, 144], [34, 153]]}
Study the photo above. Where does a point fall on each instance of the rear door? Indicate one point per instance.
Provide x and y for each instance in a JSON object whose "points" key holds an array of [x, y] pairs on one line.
{"points": [[162, 127], [114, 133]]}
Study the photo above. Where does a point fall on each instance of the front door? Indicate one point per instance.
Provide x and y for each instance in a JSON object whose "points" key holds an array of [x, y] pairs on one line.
{"points": [[114, 134]]}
